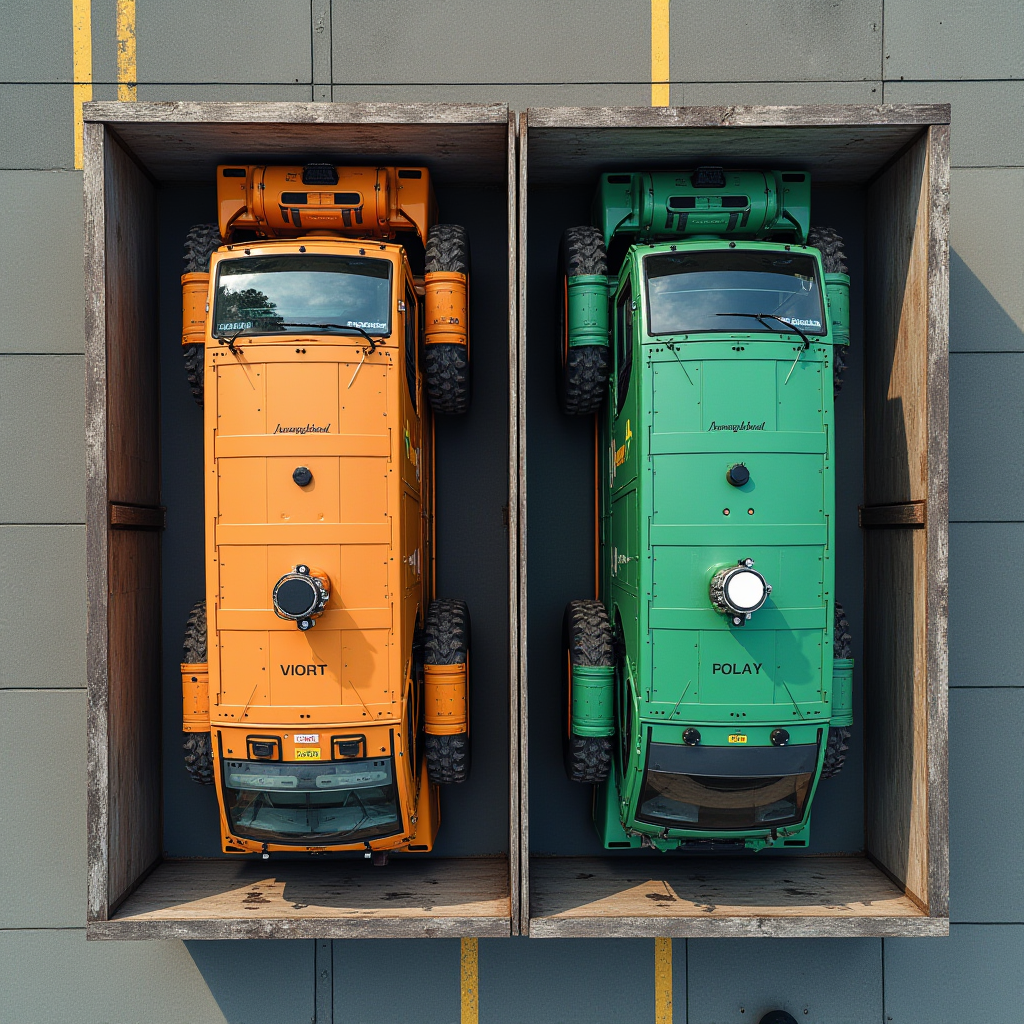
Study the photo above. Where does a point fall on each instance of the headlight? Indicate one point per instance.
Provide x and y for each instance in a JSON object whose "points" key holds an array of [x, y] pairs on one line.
{"points": [[739, 590]]}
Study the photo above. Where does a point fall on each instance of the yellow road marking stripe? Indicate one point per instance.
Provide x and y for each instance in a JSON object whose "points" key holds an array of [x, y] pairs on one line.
{"points": [[81, 39], [470, 979], [662, 981], [659, 53], [126, 72]]}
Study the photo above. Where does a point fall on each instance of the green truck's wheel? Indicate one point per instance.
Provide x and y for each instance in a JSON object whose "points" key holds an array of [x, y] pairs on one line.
{"points": [[446, 368], [446, 636], [830, 244], [586, 640], [838, 736], [198, 747], [583, 369]]}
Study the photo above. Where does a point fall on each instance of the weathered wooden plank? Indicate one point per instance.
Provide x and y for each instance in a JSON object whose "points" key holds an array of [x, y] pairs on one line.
{"points": [[316, 928], [137, 517], [123, 566], [720, 896], [809, 115], [96, 512], [133, 445], [260, 112], [523, 705], [897, 469], [908, 513], [516, 853], [249, 899], [737, 927], [183, 141], [836, 143], [937, 539]]}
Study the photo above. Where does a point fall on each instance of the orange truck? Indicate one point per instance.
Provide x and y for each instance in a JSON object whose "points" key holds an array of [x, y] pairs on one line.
{"points": [[325, 686]]}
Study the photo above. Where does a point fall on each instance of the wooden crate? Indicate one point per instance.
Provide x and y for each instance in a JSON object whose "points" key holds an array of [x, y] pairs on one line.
{"points": [[132, 150], [898, 155]]}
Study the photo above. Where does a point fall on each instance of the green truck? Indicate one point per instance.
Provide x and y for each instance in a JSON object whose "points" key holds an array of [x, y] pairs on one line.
{"points": [[708, 687]]}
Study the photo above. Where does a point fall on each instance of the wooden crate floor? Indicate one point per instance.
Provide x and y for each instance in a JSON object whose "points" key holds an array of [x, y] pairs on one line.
{"points": [[285, 899], [719, 896]]}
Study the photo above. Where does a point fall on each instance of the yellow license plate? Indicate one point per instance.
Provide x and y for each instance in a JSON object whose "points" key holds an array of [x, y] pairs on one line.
{"points": [[735, 738], [307, 753]]}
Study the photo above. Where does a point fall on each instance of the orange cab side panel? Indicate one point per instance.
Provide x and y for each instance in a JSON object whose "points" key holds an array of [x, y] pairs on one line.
{"points": [[326, 404], [365, 202]]}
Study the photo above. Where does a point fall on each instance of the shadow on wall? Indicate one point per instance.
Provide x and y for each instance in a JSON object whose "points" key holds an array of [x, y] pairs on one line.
{"points": [[976, 316], [259, 982], [318, 982]]}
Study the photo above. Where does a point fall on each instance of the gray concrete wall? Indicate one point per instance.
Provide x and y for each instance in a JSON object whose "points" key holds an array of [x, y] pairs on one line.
{"points": [[731, 51]]}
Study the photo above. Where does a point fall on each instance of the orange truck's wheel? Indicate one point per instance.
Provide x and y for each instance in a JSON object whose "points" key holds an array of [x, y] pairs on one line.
{"points": [[197, 745], [446, 362], [446, 642], [200, 244]]}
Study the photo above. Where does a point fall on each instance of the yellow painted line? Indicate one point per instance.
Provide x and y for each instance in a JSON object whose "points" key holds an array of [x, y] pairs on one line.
{"points": [[470, 981], [81, 74], [662, 981], [659, 53], [126, 72]]}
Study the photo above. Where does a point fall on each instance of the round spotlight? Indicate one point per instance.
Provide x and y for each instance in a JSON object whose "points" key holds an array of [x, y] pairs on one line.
{"points": [[739, 590], [300, 595]]}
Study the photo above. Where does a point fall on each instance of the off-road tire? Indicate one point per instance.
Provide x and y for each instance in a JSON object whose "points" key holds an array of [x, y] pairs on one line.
{"points": [[587, 639], [199, 757], [830, 244], [446, 377], [446, 367], [448, 758], [200, 244], [584, 379], [838, 736], [842, 638], [193, 648], [447, 250], [583, 369], [446, 638], [198, 749], [835, 751], [195, 362]]}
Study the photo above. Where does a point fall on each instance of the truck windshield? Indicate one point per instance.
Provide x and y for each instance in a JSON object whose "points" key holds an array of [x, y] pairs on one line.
{"points": [[683, 799], [261, 293], [686, 291], [309, 804]]}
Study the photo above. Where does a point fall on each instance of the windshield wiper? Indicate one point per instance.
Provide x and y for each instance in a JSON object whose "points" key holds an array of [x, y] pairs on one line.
{"points": [[230, 342], [761, 317], [334, 327]]}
